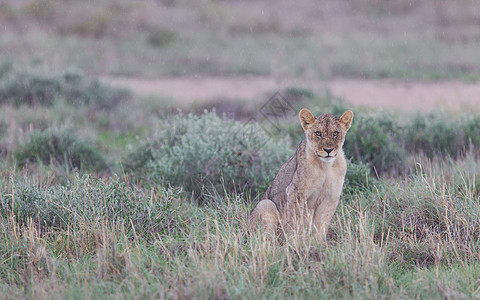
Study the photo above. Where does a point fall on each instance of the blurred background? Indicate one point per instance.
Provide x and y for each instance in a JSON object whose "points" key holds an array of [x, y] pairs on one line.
{"points": [[404, 54], [122, 76]]}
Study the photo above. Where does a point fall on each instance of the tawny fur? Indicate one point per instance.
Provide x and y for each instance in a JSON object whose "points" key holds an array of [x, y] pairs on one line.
{"points": [[307, 188]]}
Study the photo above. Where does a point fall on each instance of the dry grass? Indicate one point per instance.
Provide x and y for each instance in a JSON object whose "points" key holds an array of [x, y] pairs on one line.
{"points": [[421, 227]]}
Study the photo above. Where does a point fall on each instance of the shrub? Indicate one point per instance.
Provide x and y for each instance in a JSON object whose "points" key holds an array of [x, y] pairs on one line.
{"points": [[296, 94], [206, 152], [374, 139], [159, 36], [79, 90], [62, 147], [435, 133], [31, 202], [29, 89], [471, 130], [88, 201], [26, 88], [96, 26], [5, 68], [386, 143], [136, 160], [358, 178], [440, 134]]}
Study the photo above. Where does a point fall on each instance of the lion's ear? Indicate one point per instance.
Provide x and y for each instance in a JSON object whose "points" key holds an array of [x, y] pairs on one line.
{"points": [[346, 119], [306, 118]]}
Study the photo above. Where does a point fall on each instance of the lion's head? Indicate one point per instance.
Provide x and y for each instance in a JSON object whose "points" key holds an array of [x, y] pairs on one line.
{"points": [[326, 133]]}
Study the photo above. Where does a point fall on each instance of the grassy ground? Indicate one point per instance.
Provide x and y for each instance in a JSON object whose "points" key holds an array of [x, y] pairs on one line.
{"points": [[414, 237], [125, 222]]}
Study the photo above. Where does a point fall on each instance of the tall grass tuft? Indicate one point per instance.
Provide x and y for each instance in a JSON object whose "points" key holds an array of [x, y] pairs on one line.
{"points": [[431, 217], [87, 201]]}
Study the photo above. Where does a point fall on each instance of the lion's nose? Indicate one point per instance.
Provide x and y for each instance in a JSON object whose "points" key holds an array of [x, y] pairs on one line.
{"points": [[328, 150]]}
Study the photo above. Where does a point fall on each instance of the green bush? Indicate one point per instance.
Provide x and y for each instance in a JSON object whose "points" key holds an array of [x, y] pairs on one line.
{"points": [[435, 133], [358, 178], [137, 160], [205, 153], [79, 90], [387, 142], [159, 36], [296, 94], [440, 134], [5, 68], [471, 131], [61, 147], [375, 139], [89, 201], [27, 88], [31, 202]]}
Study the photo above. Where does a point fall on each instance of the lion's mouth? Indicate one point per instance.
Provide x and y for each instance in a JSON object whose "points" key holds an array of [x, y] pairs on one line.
{"points": [[328, 156], [327, 159]]}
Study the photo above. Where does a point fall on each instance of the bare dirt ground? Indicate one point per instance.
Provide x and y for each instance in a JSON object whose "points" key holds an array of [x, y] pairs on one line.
{"points": [[407, 97]]}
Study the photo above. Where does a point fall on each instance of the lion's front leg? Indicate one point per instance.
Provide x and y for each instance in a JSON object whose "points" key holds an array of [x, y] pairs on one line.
{"points": [[297, 214], [323, 216]]}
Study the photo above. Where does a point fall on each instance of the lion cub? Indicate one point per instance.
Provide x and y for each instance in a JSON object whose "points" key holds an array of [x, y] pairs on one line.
{"points": [[306, 190]]}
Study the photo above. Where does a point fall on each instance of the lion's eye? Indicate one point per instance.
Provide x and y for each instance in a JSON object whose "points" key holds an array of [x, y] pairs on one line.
{"points": [[318, 133], [335, 134]]}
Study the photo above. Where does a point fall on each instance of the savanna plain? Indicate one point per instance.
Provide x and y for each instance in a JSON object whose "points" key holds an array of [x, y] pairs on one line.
{"points": [[110, 193]]}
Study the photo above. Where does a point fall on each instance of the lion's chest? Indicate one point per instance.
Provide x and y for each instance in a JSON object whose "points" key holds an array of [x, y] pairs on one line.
{"points": [[321, 187]]}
